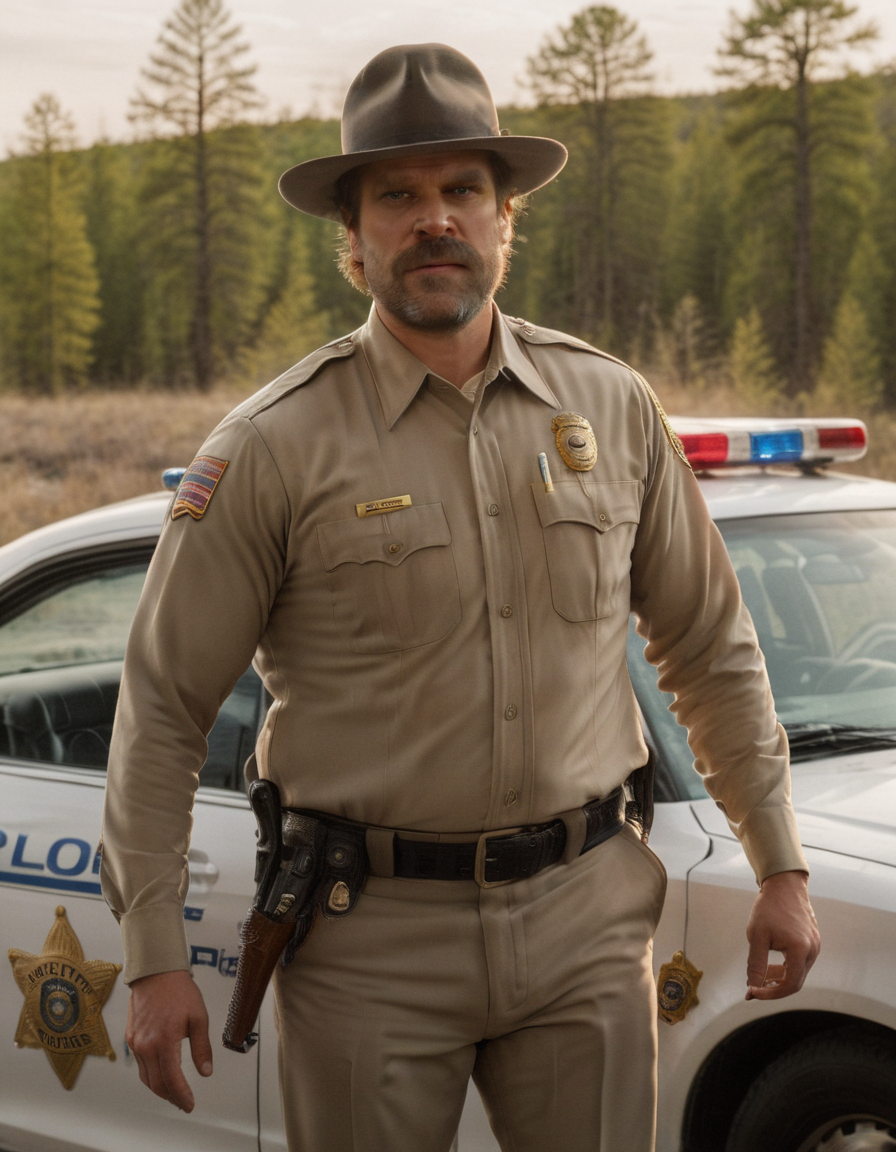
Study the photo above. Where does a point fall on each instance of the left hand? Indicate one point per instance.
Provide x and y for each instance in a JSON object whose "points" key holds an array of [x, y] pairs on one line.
{"points": [[782, 920]]}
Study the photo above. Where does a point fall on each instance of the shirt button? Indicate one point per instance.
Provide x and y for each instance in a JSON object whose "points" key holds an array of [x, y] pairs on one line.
{"points": [[511, 797], [475, 429], [395, 547], [510, 712], [493, 509], [506, 610], [602, 516]]}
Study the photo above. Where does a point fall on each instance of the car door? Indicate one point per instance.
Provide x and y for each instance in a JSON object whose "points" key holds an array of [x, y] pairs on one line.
{"points": [[71, 1082]]}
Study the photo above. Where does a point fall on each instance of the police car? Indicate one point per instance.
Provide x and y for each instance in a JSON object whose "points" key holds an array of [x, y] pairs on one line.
{"points": [[815, 552]]}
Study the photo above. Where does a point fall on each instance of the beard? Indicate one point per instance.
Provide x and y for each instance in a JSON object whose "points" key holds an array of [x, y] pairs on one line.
{"points": [[433, 303]]}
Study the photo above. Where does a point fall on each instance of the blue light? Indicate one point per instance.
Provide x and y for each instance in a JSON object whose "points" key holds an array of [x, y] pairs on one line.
{"points": [[172, 477], [775, 447]]}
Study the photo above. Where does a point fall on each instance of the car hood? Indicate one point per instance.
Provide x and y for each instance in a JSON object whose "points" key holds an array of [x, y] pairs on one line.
{"points": [[844, 804]]}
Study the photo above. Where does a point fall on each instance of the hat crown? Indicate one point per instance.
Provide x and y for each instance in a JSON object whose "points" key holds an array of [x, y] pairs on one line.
{"points": [[416, 94]]}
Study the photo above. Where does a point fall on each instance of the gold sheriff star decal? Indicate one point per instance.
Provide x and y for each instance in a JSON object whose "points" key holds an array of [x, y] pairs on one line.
{"points": [[64, 998]]}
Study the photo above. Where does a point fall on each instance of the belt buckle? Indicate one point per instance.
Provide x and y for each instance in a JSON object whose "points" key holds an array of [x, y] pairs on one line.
{"points": [[482, 848]]}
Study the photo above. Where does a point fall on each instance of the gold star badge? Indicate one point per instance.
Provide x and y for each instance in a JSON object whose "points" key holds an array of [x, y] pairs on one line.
{"points": [[676, 988], [64, 997]]}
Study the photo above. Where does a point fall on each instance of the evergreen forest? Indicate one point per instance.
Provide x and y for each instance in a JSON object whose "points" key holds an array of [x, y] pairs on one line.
{"points": [[747, 235]]}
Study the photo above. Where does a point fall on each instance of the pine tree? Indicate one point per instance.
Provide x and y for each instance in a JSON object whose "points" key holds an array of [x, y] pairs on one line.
{"points": [[850, 376], [113, 228], [751, 363], [597, 67], [696, 252], [680, 346], [785, 121], [200, 188], [879, 297], [47, 275], [293, 326]]}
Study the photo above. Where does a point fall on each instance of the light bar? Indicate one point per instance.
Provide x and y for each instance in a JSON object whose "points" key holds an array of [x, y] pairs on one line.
{"points": [[172, 477], [742, 441], [776, 447], [851, 437], [706, 449]]}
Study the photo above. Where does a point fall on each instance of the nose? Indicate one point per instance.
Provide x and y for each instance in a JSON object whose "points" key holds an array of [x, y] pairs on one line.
{"points": [[433, 218]]}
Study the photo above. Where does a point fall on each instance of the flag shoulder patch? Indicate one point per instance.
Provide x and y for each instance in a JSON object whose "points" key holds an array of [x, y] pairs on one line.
{"points": [[197, 487]]}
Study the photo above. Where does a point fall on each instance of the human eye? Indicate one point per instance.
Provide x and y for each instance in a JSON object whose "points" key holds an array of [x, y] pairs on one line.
{"points": [[467, 190], [394, 195]]}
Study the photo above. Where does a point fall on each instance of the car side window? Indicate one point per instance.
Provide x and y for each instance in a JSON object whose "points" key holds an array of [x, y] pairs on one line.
{"points": [[63, 633]]}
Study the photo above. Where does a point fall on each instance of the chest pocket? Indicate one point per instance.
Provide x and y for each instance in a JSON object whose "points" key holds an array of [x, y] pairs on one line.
{"points": [[392, 578], [589, 534]]}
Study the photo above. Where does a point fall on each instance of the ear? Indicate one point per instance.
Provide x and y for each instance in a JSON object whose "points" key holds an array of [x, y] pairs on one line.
{"points": [[505, 221], [353, 236]]}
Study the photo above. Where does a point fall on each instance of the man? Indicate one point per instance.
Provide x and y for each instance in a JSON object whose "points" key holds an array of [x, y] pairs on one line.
{"points": [[430, 535]]}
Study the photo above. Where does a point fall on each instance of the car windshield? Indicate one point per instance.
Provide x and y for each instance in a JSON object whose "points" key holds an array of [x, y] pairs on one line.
{"points": [[821, 589]]}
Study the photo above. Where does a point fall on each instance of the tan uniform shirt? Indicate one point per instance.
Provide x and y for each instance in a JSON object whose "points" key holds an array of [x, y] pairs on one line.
{"points": [[455, 665]]}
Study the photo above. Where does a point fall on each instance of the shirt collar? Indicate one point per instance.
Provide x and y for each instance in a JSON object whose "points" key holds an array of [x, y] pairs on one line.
{"points": [[507, 356], [398, 374]]}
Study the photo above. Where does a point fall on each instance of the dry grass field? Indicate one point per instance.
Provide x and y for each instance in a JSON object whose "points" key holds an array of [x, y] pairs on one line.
{"points": [[65, 455], [62, 456]]}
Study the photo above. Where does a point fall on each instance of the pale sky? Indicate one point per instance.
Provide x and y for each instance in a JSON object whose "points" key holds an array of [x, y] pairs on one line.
{"points": [[89, 53]]}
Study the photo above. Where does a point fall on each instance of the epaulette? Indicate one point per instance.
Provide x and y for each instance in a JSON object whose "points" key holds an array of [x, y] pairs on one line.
{"points": [[533, 335], [298, 375]]}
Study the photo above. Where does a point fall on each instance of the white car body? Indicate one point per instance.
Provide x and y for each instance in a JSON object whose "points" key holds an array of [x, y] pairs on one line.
{"points": [[846, 807]]}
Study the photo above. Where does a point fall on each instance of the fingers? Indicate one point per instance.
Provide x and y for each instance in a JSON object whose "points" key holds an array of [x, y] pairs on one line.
{"points": [[783, 921], [163, 1011], [772, 984], [200, 1045], [174, 1084], [757, 962], [158, 1062]]}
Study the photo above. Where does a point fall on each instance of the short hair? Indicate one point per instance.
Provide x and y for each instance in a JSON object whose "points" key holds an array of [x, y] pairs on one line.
{"points": [[348, 200]]}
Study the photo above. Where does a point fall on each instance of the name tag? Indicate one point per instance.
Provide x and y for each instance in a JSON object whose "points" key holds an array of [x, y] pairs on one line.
{"points": [[390, 504]]}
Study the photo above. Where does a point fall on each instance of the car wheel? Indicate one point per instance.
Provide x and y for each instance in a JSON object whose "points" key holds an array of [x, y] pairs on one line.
{"points": [[832, 1093]]}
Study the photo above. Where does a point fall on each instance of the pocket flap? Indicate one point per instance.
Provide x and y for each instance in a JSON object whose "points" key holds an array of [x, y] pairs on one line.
{"points": [[389, 538], [601, 505]]}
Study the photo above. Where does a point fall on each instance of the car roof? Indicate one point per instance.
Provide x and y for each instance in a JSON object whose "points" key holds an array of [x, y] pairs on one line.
{"points": [[738, 493], [129, 520]]}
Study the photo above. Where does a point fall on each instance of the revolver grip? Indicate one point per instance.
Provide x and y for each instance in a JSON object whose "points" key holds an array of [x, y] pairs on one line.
{"points": [[264, 798]]}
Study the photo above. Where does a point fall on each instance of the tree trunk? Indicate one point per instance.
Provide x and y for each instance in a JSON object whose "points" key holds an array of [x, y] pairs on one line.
{"points": [[803, 243], [202, 337]]}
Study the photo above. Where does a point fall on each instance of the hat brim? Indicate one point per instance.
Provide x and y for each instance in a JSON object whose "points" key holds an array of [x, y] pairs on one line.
{"points": [[311, 186]]}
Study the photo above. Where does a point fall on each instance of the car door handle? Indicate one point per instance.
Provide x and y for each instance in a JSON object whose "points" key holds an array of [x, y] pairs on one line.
{"points": [[203, 873]]}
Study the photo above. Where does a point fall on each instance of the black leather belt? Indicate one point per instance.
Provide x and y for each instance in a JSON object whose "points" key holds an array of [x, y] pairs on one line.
{"points": [[499, 858]]}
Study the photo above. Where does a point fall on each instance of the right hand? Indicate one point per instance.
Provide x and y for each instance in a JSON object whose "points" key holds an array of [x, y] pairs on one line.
{"points": [[163, 1010]]}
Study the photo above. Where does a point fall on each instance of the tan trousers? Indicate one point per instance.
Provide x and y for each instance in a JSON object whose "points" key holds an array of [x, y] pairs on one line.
{"points": [[542, 990]]}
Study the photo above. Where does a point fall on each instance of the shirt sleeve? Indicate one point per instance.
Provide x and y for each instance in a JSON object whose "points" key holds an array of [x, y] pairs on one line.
{"points": [[205, 605], [700, 636]]}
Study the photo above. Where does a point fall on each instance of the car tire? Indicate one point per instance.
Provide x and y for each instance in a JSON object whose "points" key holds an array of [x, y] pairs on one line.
{"points": [[831, 1093]]}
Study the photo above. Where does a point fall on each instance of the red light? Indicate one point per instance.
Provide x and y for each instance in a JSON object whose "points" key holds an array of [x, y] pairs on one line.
{"points": [[706, 449], [841, 438]]}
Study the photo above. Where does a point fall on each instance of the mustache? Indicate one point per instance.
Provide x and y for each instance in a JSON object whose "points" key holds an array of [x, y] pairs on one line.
{"points": [[442, 250]]}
